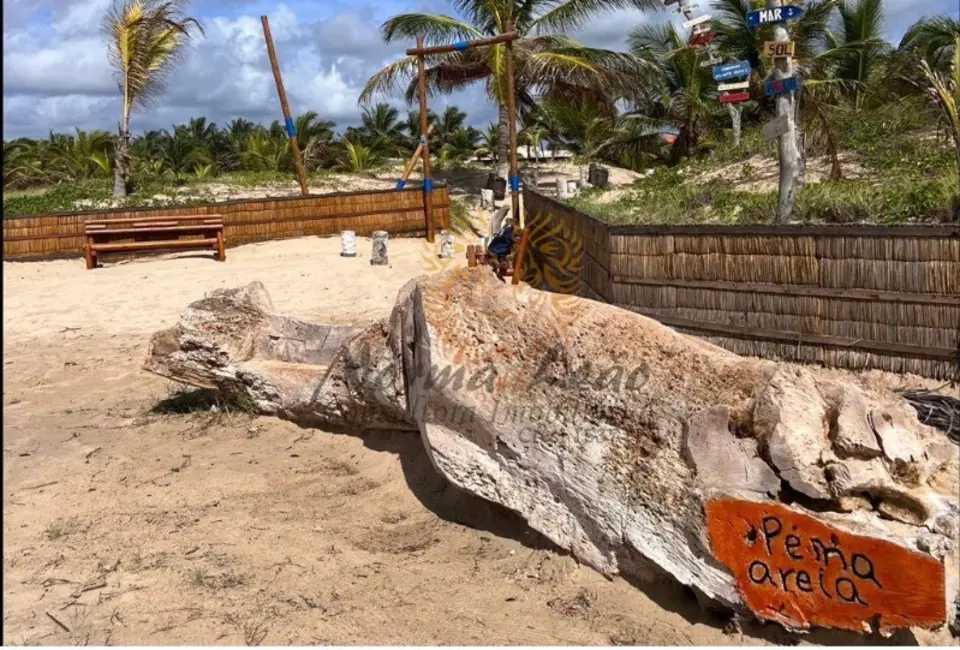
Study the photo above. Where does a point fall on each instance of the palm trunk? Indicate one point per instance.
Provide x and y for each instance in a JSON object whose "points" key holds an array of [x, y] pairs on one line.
{"points": [[503, 147], [735, 114], [122, 160], [790, 158]]}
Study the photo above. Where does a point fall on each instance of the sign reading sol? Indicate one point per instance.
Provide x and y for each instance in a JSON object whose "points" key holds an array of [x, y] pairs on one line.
{"points": [[778, 48], [797, 570]]}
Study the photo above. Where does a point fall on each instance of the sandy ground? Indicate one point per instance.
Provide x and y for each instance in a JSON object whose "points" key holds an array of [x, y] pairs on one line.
{"points": [[127, 524]]}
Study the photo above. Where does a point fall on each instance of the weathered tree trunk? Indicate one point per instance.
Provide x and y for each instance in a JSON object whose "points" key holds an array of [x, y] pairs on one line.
{"points": [[736, 112], [621, 440], [121, 160], [788, 143], [503, 147]]}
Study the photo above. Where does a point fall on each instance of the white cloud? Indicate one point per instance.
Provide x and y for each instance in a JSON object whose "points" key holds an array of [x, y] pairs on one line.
{"points": [[56, 74]]}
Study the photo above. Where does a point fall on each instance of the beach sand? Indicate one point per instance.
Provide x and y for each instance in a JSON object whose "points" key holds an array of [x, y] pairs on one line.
{"points": [[124, 525]]}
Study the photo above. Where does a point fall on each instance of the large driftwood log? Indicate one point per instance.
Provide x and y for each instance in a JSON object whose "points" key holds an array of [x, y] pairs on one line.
{"points": [[762, 486]]}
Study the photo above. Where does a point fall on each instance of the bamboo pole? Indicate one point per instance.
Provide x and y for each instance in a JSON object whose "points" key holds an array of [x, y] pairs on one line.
{"points": [[420, 50], [512, 119], [425, 144], [285, 107], [413, 161]]}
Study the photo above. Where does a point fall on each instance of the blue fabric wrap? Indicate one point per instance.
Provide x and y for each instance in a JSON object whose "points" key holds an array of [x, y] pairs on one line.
{"points": [[291, 128], [428, 185], [460, 46], [515, 183], [401, 184]]}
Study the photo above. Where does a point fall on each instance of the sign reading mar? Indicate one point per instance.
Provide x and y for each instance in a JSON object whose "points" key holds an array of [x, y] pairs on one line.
{"points": [[773, 15], [793, 568]]}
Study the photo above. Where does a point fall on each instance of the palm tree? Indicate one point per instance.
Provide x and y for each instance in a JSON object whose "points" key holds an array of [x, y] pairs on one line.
{"points": [[458, 147], [380, 129], [448, 125], [356, 158], [315, 139], [411, 127], [82, 156], [545, 64], [855, 46], [933, 38], [681, 93], [145, 39], [944, 87], [489, 141]]}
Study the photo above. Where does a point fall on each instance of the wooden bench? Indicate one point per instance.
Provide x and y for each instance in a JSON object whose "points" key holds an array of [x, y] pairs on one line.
{"points": [[153, 234]]}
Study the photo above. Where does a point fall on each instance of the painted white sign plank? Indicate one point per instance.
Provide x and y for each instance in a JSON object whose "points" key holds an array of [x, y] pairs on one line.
{"points": [[742, 85], [696, 21]]}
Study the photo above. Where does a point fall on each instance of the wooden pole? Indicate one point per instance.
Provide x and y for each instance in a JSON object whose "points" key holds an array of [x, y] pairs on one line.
{"points": [[788, 142], [285, 107], [521, 253], [425, 144], [512, 119], [412, 163], [420, 50]]}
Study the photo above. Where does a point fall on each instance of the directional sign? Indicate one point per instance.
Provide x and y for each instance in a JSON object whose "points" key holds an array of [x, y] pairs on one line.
{"points": [[701, 38], [696, 21], [732, 70], [730, 98], [778, 49], [709, 63], [740, 85], [777, 87], [773, 15], [776, 127]]}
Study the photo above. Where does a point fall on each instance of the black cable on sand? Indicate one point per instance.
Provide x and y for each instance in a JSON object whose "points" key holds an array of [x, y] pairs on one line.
{"points": [[936, 410]]}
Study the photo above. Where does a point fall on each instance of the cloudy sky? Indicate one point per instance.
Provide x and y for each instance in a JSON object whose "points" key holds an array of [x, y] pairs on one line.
{"points": [[56, 75]]}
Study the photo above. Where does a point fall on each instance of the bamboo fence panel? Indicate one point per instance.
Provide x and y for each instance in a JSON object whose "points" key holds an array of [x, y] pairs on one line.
{"points": [[399, 212], [885, 297]]}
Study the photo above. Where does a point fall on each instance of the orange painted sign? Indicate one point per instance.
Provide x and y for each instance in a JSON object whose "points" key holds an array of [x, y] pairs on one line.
{"points": [[799, 571]]}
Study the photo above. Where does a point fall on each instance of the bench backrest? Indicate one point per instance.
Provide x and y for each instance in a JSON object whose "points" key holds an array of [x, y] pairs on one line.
{"points": [[149, 223]]}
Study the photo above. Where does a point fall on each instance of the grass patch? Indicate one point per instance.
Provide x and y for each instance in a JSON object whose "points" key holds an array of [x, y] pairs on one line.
{"points": [[190, 401], [910, 177], [60, 529], [201, 579]]}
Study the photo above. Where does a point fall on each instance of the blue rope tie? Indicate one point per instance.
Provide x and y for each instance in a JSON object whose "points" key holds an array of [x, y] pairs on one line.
{"points": [[460, 46], [401, 184], [515, 183], [428, 185], [291, 128]]}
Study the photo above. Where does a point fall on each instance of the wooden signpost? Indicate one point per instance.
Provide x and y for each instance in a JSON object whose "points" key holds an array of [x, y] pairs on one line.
{"points": [[740, 85], [699, 20], [776, 127], [732, 70], [776, 49], [780, 86], [701, 38], [773, 15], [733, 98], [793, 568]]}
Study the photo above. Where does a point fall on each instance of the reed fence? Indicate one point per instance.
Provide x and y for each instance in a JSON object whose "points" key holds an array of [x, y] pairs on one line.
{"points": [[857, 297], [399, 212]]}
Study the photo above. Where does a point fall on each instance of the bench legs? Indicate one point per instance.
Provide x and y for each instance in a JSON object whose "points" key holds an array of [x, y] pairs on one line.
{"points": [[221, 253], [90, 255]]}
